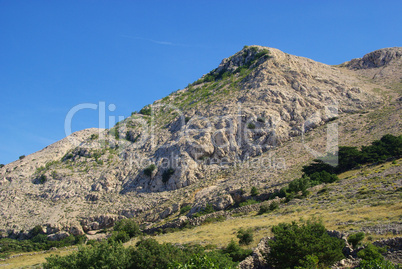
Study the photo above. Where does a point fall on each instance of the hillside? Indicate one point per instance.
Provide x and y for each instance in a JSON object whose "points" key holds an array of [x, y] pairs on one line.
{"points": [[238, 126]]}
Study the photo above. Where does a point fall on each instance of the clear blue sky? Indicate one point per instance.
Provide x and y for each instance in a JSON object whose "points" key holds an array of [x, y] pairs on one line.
{"points": [[55, 55]]}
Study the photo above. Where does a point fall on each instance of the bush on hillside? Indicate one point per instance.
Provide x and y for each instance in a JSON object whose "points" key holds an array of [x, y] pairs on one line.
{"points": [[355, 239], [254, 191], [128, 226], [149, 169], [378, 264], [167, 174], [370, 253], [101, 255], [245, 236], [209, 208], [295, 242], [236, 252]]}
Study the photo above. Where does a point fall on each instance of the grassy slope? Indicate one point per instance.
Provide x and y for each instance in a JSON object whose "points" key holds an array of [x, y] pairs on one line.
{"points": [[366, 198]]}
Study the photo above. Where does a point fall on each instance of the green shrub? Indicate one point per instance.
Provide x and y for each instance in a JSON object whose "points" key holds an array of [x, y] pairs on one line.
{"points": [[1, 165], [148, 171], [370, 253], [248, 202], [273, 206], [167, 174], [147, 110], [236, 252], [323, 177], [150, 254], [296, 241], [299, 185], [129, 226], [102, 255], [42, 179], [119, 236], [245, 236], [377, 264], [147, 254], [254, 191], [263, 209], [38, 242], [131, 138], [21, 157], [185, 209], [209, 260], [94, 136], [355, 239], [251, 125], [309, 262], [36, 230], [262, 120], [40, 238], [209, 208]]}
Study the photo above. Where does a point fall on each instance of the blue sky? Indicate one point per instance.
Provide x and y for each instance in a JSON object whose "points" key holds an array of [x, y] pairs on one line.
{"points": [[55, 55]]}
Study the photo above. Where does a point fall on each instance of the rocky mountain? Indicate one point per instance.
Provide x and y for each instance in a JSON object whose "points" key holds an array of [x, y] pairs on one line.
{"points": [[252, 121]]}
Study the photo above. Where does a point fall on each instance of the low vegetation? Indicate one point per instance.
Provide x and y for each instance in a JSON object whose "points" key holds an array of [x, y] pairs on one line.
{"points": [[148, 253], [149, 169], [37, 243], [207, 210]]}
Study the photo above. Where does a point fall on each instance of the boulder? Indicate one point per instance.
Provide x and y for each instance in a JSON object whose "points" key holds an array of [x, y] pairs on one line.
{"points": [[58, 236]]}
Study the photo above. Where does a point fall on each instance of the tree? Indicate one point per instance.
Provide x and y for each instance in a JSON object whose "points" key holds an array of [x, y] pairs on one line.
{"points": [[296, 241], [129, 226]]}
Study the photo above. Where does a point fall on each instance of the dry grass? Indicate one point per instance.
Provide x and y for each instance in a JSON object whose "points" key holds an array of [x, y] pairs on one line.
{"points": [[220, 234]]}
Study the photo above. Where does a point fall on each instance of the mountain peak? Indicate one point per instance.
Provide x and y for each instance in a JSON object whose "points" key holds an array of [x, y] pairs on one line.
{"points": [[375, 59]]}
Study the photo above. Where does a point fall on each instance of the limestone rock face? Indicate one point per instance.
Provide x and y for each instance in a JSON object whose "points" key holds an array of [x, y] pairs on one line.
{"points": [[58, 236]]}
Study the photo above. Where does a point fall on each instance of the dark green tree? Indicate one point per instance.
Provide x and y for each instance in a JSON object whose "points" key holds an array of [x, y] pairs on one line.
{"points": [[130, 226], [294, 242]]}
